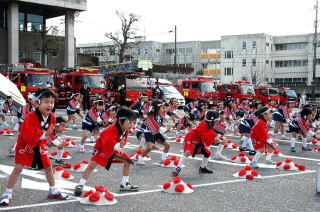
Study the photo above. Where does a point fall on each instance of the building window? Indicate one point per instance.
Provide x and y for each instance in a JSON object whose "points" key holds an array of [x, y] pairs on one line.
{"points": [[37, 57], [244, 62], [291, 63], [22, 22], [254, 44], [204, 66], [169, 51], [267, 61], [244, 45], [146, 51], [228, 71], [228, 54], [290, 46], [189, 50], [254, 62], [181, 51], [34, 23], [2, 18], [267, 44]]}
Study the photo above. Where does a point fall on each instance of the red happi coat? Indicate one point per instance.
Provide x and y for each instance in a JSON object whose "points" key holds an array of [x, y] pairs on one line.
{"points": [[200, 134], [28, 140], [259, 134], [105, 143]]}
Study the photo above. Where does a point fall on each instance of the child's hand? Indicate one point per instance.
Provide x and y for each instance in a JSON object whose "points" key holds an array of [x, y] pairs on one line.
{"points": [[62, 144], [49, 130]]}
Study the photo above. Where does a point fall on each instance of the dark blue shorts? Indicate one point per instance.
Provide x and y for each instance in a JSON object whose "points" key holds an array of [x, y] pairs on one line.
{"points": [[277, 117], [244, 129], [88, 127], [69, 112], [153, 138], [293, 129]]}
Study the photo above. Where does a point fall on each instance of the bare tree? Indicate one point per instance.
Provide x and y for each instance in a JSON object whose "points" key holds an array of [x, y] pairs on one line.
{"points": [[122, 38], [257, 76], [48, 43]]}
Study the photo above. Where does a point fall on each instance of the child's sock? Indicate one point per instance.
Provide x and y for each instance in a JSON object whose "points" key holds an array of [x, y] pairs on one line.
{"points": [[8, 191], [269, 155], [59, 154], [164, 155], [293, 142], [82, 181], [257, 156], [220, 148], [245, 141], [182, 161], [250, 144], [125, 179], [204, 162], [304, 142]]}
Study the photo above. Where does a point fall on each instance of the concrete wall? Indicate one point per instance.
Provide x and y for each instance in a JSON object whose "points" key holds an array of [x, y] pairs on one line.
{"points": [[3, 46], [70, 4]]}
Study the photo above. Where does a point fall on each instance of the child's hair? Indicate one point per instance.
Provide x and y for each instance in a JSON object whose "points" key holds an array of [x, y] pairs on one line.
{"points": [[156, 107], [305, 112], [8, 97], [124, 114], [75, 95], [262, 111], [60, 120], [44, 93], [98, 101]]}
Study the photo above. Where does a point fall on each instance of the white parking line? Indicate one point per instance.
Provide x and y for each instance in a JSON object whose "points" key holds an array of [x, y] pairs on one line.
{"points": [[158, 190]]}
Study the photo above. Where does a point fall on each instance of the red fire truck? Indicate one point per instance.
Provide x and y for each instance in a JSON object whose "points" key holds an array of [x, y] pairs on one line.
{"points": [[29, 79], [238, 90], [265, 93], [76, 77], [287, 93], [191, 89]]}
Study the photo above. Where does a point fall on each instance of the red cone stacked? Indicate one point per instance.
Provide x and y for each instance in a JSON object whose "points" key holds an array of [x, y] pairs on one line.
{"points": [[100, 196], [247, 173], [171, 162], [7, 132], [61, 174], [177, 186], [70, 143], [139, 152], [241, 158], [289, 165], [230, 145]]}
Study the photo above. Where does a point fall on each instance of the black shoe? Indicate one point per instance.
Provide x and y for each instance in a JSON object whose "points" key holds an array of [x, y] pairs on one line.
{"points": [[58, 162], [205, 170], [78, 190], [307, 148], [176, 172], [243, 149], [128, 187], [252, 152], [293, 149]]}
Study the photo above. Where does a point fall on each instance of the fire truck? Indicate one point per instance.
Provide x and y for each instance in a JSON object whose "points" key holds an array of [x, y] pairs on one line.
{"points": [[29, 79], [77, 76], [265, 93], [191, 89], [123, 81], [287, 93], [237, 90]]}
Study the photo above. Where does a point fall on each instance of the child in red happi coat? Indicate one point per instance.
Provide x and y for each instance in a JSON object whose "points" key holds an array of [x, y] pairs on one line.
{"points": [[31, 147]]}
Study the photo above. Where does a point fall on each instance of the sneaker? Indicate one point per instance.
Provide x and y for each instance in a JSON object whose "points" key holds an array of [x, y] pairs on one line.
{"points": [[252, 152], [177, 134], [284, 137], [254, 164], [5, 199], [217, 156], [269, 162], [57, 195], [293, 149], [176, 172], [128, 187], [59, 162], [205, 170], [243, 149], [11, 152], [306, 148], [78, 190], [141, 163], [81, 149]]}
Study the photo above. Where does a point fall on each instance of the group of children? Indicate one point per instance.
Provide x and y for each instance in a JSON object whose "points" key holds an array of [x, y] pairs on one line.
{"points": [[204, 126]]}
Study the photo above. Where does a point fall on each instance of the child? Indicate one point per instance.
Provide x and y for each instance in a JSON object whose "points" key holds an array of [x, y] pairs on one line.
{"points": [[173, 109], [60, 126], [109, 146], [91, 123], [261, 138], [185, 123], [30, 106], [74, 108], [31, 145], [7, 110], [198, 141], [281, 116], [299, 126], [246, 124], [108, 116], [153, 132]]}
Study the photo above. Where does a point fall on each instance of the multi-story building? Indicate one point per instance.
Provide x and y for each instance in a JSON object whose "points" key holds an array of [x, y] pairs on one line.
{"points": [[22, 21], [204, 56]]}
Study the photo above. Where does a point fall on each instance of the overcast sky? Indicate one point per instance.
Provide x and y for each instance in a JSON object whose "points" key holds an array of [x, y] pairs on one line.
{"points": [[197, 20]]}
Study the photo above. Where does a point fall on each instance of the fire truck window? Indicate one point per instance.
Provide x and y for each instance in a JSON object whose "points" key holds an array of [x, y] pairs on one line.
{"points": [[14, 78], [78, 80], [226, 87], [263, 92], [236, 88], [186, 85], [22, 78], [195, 86], [69, 79]]}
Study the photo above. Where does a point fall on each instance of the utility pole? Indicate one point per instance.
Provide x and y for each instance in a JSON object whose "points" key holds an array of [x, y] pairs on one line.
{"points": [[315, 42], [175, 48]]}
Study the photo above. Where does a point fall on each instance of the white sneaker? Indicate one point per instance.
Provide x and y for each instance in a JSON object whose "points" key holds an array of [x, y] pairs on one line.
{"points": [[141, 163], [16, 128], [5, 199], [217, 156], [5, 124]]}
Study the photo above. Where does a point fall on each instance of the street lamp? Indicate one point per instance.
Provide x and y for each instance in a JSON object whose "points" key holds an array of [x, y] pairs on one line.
{"points": [[175, 48]]}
